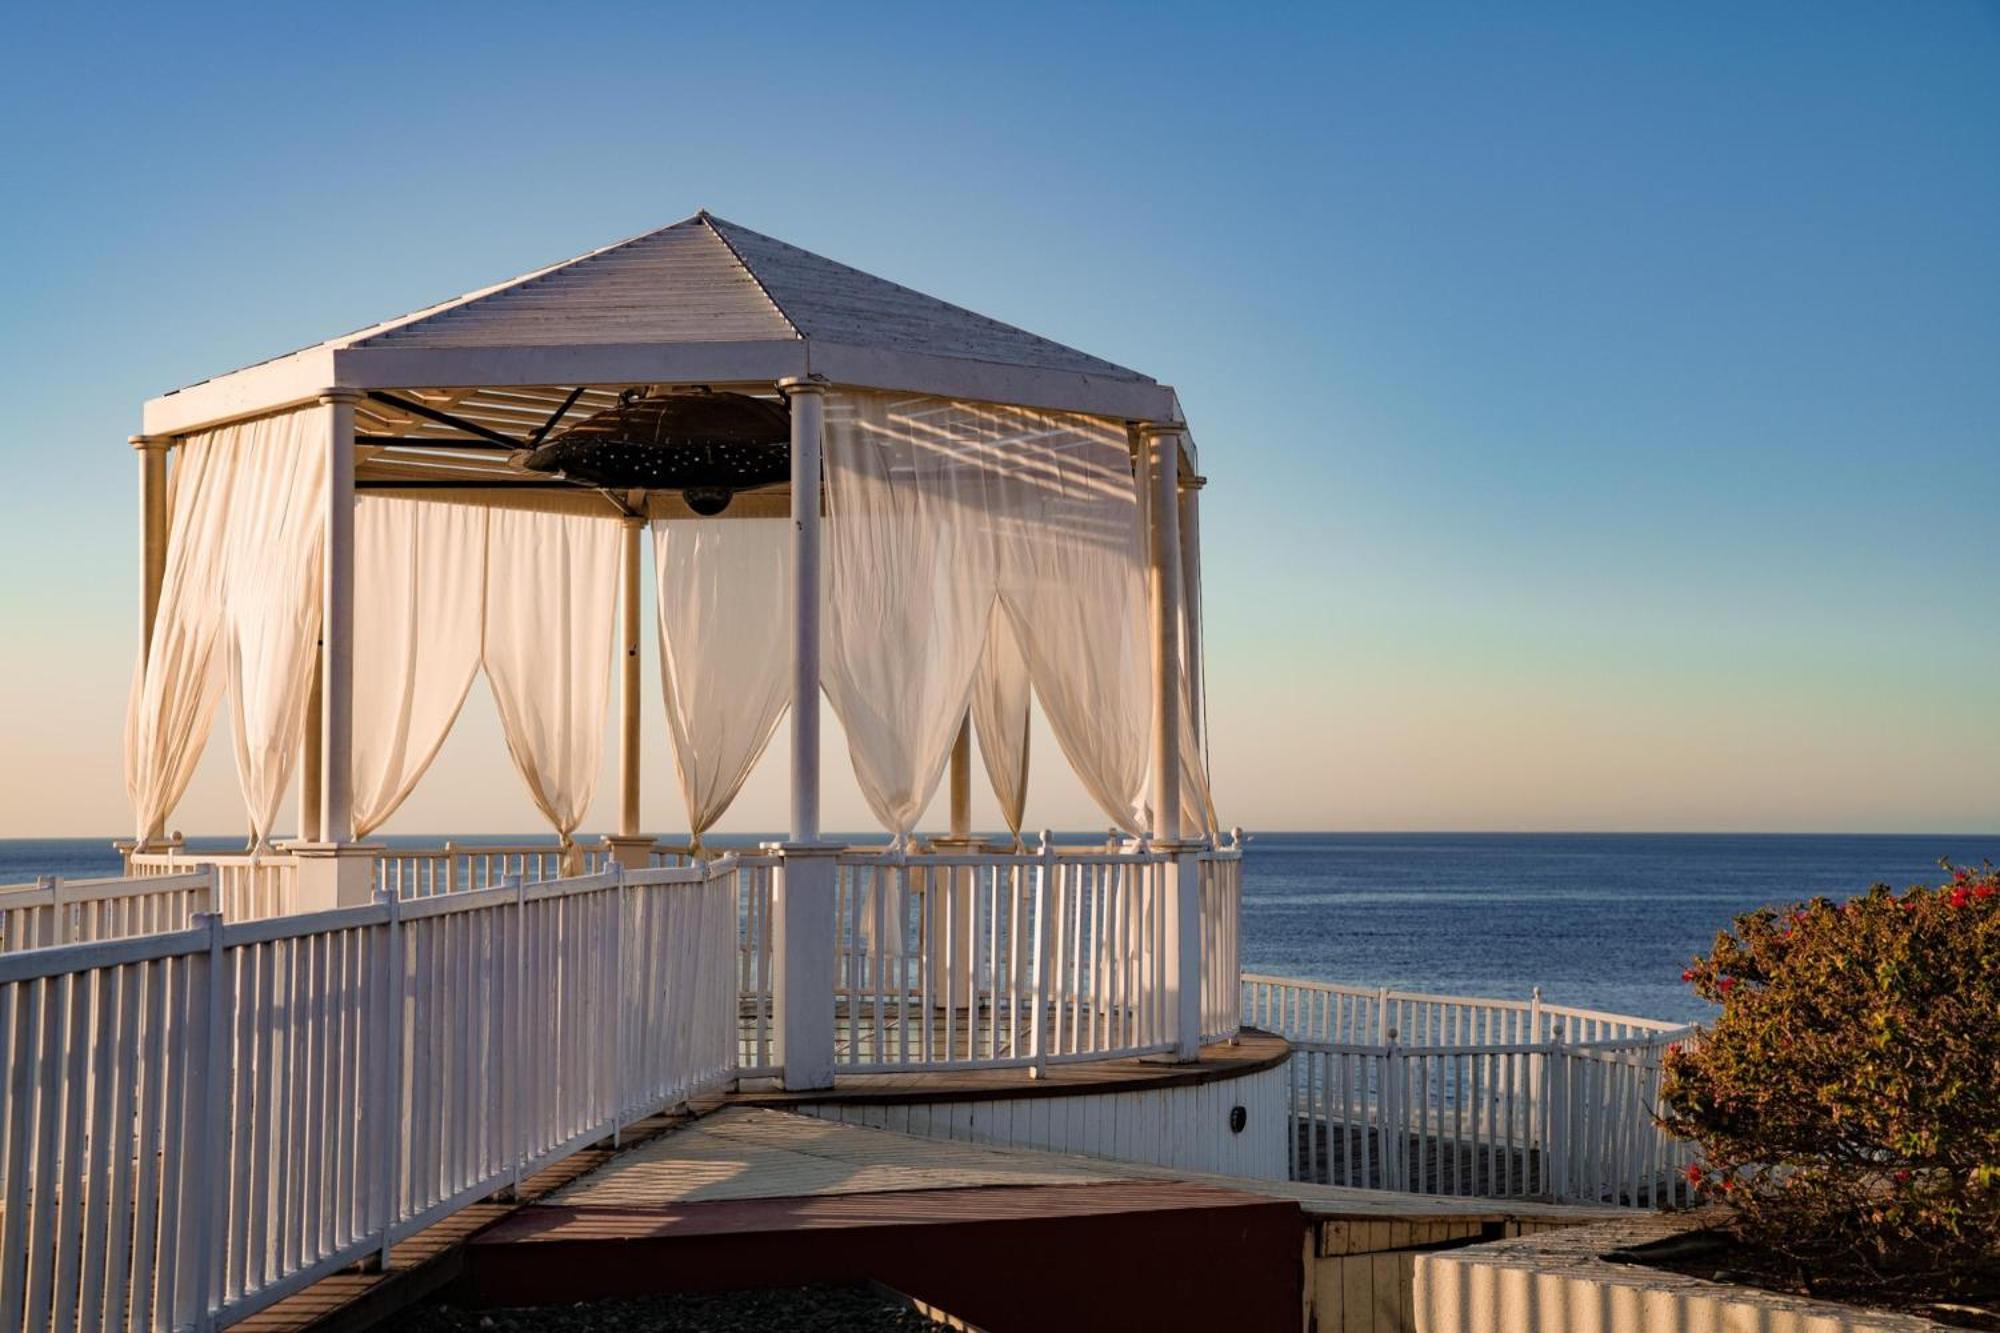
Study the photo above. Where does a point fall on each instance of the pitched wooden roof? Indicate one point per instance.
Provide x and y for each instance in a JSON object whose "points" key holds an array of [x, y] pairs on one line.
{"points": [[704, 299]]}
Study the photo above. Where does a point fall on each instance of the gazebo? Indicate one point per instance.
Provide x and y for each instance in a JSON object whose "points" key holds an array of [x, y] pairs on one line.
{"points": [[854, 489]]}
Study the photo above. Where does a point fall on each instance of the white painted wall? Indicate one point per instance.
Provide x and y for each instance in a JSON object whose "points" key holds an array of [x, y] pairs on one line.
{"points": [[1185, 1127]]}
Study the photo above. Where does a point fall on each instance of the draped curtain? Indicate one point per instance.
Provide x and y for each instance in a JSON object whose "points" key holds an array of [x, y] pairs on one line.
{"points": [[910, 588], [238, 615], [1071, 577], [551, 613], [1000, 695], [420, 578], [724, 594]]}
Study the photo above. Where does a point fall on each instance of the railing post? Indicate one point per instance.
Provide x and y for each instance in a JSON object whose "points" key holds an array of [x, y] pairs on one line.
{"points": [[1391, 1142], [60, 929], [1535, 1063], [802, 948], [212, 1175], [517, 1005], [1045, 866], [1555, 1147], [389, 1076], [618, 1007], [1382, 1033]]}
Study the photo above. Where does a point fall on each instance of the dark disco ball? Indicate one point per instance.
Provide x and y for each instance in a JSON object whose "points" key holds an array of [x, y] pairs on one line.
{"points": [[708, 446]]}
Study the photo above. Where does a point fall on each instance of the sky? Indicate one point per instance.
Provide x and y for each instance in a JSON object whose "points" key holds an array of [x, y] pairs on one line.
{"points": [[1601, 402]]}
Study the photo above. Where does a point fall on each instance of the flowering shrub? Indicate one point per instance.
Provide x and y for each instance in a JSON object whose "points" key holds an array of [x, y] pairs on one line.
{"points": [[1847, 1099]]}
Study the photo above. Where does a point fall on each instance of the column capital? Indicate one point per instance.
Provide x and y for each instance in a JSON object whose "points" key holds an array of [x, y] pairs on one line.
{"points": [[1149, 429], [796, 384], [339, 394], [154, 442], [1193, 483]]}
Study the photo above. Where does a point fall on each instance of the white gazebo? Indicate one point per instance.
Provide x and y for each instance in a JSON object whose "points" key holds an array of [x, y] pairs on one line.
{"points": [[348, 534]]}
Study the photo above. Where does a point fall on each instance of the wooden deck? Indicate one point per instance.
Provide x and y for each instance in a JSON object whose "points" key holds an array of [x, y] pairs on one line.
{"points": [[745, 1174]]}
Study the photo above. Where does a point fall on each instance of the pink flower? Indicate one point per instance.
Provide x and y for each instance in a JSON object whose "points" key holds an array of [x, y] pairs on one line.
{"points": [[1983, 891], [1687, 975], [1694, 1173], [1960, 896], [1726, 985], [1902, 1177]]}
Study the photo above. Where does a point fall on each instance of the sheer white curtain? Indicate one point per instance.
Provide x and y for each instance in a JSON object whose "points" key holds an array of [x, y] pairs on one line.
{"points": [[420, 577], [179, 681], [1000, 695], [238, 615], [271, 597], [724, 594], [910, 587], [1071, 576], [551, 612]]}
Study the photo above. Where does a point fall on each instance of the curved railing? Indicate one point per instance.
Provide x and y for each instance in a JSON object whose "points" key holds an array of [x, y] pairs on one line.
{"points": [[1462, 1095]]}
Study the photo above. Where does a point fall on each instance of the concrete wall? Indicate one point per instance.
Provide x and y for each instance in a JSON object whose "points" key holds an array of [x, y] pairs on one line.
{"points": [[1185, 1126], [1360, 1271]]}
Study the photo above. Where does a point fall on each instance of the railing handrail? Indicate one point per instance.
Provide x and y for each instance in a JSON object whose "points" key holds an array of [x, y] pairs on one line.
{"points": [[45, 892], [55, 960], [1463, 1001]]}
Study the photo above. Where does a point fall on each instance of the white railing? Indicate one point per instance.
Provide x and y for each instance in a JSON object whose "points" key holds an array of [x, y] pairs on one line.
{"points": [[1475, 1097], [1221, 874], [425, 872], [988, 960], [55, 911], [248, 886], [755, 979], [201, 1122]]}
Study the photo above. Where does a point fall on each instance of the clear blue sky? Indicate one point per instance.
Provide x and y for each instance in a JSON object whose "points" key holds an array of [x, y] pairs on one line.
{"points": [[1602, 401]]}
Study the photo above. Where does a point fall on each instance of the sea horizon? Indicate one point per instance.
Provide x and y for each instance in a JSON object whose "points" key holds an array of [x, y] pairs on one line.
{"points": [[1602, 920]]}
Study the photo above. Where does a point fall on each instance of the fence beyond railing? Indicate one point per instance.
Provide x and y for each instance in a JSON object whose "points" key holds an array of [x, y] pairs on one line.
{"points": [[203, 1121], [55, 911], [1435, 1094]]}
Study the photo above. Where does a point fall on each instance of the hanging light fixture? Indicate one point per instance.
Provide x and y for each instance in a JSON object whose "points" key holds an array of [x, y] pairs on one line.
{"points": [[708, 446]]}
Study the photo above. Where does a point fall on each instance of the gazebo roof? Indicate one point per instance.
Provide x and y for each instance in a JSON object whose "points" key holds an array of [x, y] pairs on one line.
{"points": [[704, 301]]}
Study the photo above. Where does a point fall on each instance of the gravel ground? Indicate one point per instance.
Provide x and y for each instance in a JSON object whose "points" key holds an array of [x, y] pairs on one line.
{"points": [[780, 1310]]}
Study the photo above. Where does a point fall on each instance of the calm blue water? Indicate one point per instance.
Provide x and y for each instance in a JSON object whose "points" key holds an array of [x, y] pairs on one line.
{"points": [[1602, 920]]}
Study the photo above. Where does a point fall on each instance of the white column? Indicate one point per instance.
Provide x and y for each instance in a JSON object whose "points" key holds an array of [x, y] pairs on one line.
{"points": [[336, 661], [1161, 444], [309, 760], [628, 680], [152, 450], [1190, 517], [803, 893], [961, 782], [1180, 882], [334, 870], [807, 401]]}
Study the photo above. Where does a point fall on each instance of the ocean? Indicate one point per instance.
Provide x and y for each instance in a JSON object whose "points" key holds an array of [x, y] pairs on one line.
{"points": [[1601, 920]]}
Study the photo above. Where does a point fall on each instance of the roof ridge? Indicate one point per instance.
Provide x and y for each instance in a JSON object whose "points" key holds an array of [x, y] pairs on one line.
{"points": [[709, 220]]}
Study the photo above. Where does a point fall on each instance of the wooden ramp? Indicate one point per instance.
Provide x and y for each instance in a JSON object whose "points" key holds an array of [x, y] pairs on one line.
{"points": [[1000, 1238]]}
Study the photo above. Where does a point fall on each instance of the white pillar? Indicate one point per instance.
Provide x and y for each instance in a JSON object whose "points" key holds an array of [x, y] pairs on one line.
{"points": [[310, 768], [807, 402], [152, 450], [336, 662], [334, 870], [961, 782], [803, 893], [1161, 445], [1180, 883], [1190, 518], [628, 683]]}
